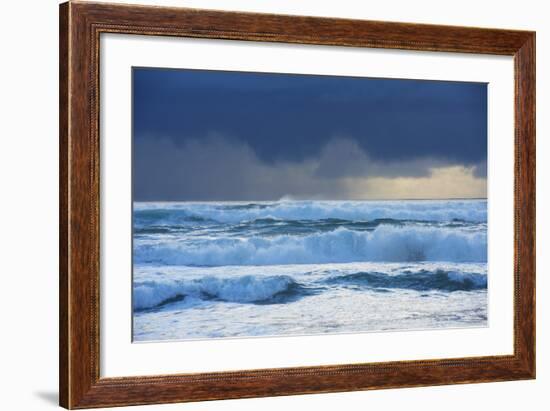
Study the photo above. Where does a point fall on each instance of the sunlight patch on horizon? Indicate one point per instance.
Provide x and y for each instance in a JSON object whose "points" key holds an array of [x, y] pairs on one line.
{"points": [[443, 182]]}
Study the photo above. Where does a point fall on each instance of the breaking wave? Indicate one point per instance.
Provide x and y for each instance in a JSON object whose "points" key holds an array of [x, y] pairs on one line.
{"points": [[419, 281], [385, 243], [245, 289], [440, 210], [249, 289]]}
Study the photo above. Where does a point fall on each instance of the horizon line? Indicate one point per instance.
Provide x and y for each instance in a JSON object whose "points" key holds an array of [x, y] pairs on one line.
{"points": [[298, 200]]}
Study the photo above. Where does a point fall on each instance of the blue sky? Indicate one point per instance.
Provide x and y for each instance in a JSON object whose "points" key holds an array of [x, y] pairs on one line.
{"points": [[215, 135]]}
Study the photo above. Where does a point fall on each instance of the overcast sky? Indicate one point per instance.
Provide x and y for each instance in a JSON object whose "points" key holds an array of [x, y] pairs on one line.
{"points": [[214, 135]]}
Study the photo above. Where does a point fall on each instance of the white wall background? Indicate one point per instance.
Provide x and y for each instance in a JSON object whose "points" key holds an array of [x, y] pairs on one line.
{"points": [[29, 191]]}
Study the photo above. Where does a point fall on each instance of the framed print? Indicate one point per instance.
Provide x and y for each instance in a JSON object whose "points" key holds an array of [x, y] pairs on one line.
{"points": [[259, 205]]}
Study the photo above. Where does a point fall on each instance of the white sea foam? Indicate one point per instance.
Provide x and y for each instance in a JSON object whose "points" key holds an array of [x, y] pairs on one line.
{"points": [[385, 243], [243, 285], [338, 310], [244, 289], [433, 210]]}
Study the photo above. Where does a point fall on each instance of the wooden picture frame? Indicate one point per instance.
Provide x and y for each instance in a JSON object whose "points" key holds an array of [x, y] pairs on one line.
{"points": [[81, 24]]}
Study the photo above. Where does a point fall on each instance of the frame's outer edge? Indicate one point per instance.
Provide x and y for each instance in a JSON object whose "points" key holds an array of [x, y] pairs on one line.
{"points": [[79, 190], [189, 22], [80, 382], [525, 67], [63, 205]]}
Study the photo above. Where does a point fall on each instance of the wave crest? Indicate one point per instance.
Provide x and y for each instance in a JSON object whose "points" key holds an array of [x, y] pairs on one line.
{"points": [[245, 289], [436, 210], [385, 243], [252, 289], [419, 281]]}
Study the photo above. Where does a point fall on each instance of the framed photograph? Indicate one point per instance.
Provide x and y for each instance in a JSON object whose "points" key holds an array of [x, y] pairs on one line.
{"points": [[259, 205]]}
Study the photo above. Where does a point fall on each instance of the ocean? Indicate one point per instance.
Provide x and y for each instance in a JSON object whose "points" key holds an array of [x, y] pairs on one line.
{"points": [[252, 269]]}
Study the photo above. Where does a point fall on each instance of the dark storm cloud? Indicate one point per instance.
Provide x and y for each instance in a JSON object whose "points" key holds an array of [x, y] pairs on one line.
{"points": [[264, 135], [213, 168], [344, 157]]}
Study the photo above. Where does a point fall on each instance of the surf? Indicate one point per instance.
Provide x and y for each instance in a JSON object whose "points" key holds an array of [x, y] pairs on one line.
{"points": [[163, 291], [425, 210], [244, 289], [388, 243]]}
